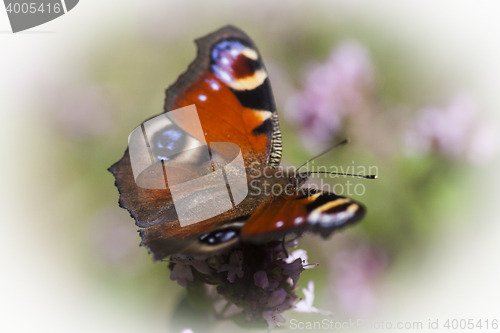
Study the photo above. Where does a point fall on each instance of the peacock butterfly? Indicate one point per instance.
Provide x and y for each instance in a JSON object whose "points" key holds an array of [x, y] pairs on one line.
{"points": [[229, 85]]}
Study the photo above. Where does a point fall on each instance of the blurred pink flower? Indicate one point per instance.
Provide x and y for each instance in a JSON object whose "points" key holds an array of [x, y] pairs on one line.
{"points": [[454, 130], [261, 280], [115, 242], [276, 298], [181, 272], [80, 112], [339, 87], [273, 318], [356, 271]]}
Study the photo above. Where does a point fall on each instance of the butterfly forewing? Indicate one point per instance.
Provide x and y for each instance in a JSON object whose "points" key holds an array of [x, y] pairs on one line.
{"points": [[229, 86]]}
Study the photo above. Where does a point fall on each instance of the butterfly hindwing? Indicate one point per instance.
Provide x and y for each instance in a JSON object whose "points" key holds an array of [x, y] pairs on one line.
{"points": [[306, 209], [205, 238]]}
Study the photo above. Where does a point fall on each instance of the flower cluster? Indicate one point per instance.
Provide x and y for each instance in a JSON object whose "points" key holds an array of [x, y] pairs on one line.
{"points": [[355, 272], [339, 87], [82, 112], [256, 281], [453, 130]]}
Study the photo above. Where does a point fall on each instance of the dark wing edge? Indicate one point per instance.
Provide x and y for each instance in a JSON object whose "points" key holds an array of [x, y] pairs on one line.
{"points": [[129, 191], [202, 63], [213, 241]]}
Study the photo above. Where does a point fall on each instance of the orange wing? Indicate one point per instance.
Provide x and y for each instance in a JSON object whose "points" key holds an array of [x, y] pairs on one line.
{"points": [[228, 83], [229, 86], [307, 209]]}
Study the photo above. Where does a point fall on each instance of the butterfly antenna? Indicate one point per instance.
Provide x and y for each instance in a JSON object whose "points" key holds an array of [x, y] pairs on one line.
{"points": [[343, 174], [341, 143]]}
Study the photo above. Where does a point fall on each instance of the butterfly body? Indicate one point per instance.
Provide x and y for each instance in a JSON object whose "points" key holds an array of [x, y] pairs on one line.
{"points": [[230, 88]]}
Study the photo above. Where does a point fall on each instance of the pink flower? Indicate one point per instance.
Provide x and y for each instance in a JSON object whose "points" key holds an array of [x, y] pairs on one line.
{"points": [[273, 318], [293, 270], [261, 280], [338, 88], [82, 112], [356, 272], [454, 130], [234, 266], [302, 254], [182, 273], [276, 298], [182, 270]]}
